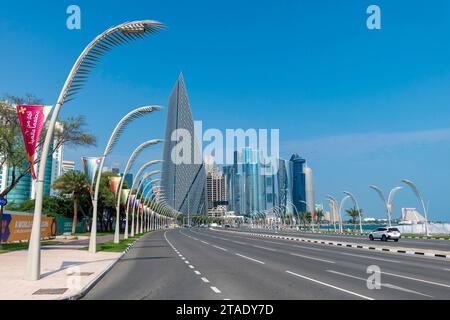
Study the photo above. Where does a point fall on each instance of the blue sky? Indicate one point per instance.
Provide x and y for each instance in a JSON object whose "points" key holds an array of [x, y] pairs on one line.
{"points": [[364, 107]]}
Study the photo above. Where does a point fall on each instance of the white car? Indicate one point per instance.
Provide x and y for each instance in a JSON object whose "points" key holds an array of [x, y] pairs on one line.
{"points": [[385, 234]]}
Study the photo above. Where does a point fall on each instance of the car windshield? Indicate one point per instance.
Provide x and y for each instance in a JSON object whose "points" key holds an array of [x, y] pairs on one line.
{"points": [[394, 229]]}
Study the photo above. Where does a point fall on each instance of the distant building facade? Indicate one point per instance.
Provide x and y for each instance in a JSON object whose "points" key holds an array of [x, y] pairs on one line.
{"points": [[68, 166]]}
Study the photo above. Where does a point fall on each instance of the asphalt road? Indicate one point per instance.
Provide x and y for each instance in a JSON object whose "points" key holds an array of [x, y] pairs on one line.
{"points": [[430, 244], [208, 264]]}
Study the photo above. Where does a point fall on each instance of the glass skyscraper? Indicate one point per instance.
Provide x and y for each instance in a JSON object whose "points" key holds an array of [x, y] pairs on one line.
{"points": [[183, 183]]}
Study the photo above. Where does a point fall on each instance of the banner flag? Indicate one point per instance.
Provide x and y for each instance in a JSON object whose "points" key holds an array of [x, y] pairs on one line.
{"points": [[132, 197], [114, 184], [90, 166], [125, 193], [32, 119]]}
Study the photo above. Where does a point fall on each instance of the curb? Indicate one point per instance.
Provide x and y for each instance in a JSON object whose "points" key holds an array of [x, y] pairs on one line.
{"points": [[344, 244], [94, 281], [365, 235]]}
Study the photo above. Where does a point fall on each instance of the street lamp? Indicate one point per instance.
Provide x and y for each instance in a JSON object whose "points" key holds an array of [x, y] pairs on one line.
{"points": [[388, 202], [127, 167], [115, 36], [333, 208], [145, 177], [357, 208], [420, 197], [135, 181], [121, 125], [143, 203]]}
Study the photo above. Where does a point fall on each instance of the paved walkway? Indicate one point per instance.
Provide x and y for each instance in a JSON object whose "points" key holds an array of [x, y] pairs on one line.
{"points": [[65, 271]]}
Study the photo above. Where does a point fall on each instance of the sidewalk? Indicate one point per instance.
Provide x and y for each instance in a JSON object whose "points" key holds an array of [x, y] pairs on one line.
{"points": [[66, 270]]}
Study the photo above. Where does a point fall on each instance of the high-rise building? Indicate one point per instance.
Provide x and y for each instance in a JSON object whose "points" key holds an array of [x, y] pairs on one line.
{"points": [[309, 191], [298, 182], [216, 189], [183, 182], [68, 166], [115, 167]]}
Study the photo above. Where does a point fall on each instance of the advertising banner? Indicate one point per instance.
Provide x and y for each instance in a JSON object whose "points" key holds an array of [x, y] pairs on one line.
{"points": [[125, 193], [114, 183], [90, 166], [18, 227], [32, 119], [132, 197], [64, 225]]}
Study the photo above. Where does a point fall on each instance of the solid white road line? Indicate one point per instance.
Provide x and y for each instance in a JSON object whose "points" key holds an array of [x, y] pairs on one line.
{"points": [[245, 257], [312, 258], [387, 285], [215, 290], [205, 280], [329, 285], [415, 279], [220, 248]]}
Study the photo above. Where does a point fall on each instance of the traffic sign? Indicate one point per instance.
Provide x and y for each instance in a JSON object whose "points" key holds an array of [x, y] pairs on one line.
{"points": [[3, 202]]}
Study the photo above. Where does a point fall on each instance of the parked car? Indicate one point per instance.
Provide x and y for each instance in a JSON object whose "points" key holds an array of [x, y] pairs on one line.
{"points": [[385, 234], [213, 225]]}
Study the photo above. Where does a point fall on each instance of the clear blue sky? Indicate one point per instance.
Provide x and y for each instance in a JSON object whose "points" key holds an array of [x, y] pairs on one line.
{"points": [[364, 107]]}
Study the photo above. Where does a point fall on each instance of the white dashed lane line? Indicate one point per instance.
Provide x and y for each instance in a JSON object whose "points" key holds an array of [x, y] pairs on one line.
{"points": [[205, 280], [220, 248], [245, 257]]}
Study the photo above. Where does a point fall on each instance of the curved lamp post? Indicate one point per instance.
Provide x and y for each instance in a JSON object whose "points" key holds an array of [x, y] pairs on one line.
{"points": [[134, 114], [145, 177], [295, 207], [127, 167], [341, 204], [420, 197], [140, 227], [357, 208], [106, 41], [135, 181], [387, 202]]}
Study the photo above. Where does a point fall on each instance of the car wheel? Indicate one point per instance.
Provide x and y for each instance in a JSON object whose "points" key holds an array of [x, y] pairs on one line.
{"points": [[383, 238], [371, 237]]}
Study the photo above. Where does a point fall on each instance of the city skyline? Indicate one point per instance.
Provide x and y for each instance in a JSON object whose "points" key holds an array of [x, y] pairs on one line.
{"points": [[348, 93]]}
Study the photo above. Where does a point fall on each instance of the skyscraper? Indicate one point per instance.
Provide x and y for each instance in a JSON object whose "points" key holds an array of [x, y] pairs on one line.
{"points": [[183, 183], [298, 182], [216, 189]]}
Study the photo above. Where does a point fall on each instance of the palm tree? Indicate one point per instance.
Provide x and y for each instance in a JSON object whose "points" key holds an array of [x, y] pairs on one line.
{"points": [[74, 184], [319, 216], [354, 214]]}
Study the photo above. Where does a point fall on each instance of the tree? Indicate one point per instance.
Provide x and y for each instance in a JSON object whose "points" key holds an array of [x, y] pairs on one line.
{"points": [[74, 184], [319, 216], [353, 213]]}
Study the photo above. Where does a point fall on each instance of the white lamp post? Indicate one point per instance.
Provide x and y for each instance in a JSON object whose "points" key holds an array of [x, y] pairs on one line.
{"points": [[357, 208], [145, 177], [87, 60], [310, 210], [135, 181], [127, 167], [387, 202], [420, 197], [134, 114]]}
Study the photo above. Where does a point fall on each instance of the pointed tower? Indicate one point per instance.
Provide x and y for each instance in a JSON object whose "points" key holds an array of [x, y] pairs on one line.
{"points": [[183, 181]]}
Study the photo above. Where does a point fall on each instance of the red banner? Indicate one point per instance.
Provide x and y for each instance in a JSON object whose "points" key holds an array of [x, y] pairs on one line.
{"points": [[32, 119], [114, 184]]}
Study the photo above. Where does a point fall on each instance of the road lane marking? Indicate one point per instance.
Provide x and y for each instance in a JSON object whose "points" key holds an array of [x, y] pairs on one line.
{"points": [[220, 248], [187, 262], [183, 258], [368, 257], [245, 257], [204, 242], [387, 285], [191, 266], [329, 285], [215, 290], [239, 242], [197, 272], [205, 280], [312, 258], [265, 248], [415, 279]]}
